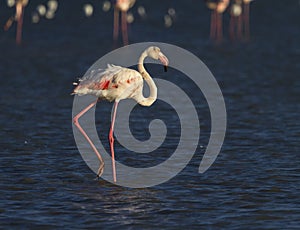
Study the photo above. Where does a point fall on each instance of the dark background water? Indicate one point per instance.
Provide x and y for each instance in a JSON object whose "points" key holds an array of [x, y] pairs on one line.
{"points": [[254, 182]]}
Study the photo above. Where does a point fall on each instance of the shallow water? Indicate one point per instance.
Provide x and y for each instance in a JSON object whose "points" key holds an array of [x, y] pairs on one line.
{"points": [[254, 183]]}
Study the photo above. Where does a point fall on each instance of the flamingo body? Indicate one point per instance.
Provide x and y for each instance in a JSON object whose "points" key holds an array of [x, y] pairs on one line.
{"points": [[113, 84], [124, 5], [222, 6]]}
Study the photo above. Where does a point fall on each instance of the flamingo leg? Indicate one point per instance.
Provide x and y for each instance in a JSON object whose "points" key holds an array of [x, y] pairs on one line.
{"points": [[116, 25], [124, 28], [111, 141], [9, 23], [76, 122], [213, 25], [246, 21], [219, 28], [231, 27], [19, 13], [239, 27]]}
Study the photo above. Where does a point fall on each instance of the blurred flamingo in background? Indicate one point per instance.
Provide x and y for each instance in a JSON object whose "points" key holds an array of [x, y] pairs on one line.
{"points": [[235, 23], [212, 5], [216, 28], [20, 6], [123, 6], [246, 18], [221, 7], [239, 26], [116, 83]]}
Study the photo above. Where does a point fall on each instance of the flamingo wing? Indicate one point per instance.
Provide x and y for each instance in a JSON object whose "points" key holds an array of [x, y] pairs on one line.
{"points": [[100, 79], [115, 76], [110, 78]]}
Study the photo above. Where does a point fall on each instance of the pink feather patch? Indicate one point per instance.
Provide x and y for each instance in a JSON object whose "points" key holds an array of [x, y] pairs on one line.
{"points": [[104, 85]]}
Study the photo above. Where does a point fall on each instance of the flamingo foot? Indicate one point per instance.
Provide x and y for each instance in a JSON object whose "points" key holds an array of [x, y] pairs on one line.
{"points": [[100, 170]]}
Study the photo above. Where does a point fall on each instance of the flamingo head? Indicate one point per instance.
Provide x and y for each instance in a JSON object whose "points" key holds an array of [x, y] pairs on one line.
{"points": [[155, 53]]}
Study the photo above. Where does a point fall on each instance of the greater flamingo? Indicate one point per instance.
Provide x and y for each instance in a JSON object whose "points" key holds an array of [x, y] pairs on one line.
{"points": [[212, 5], [114, 84], [221, 7], [20, 5], [246, 20], [218, 8], [235, 24], [123, 6]]}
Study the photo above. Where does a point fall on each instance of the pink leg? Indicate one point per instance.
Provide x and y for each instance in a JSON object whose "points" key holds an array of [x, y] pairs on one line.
{"points": [[124, 28], [246, 21], [213, 25], [231, 27], [239, 27], [75, 120], [8, 23], [111, 141], [219, 28], [19, 27], [116, 25]]}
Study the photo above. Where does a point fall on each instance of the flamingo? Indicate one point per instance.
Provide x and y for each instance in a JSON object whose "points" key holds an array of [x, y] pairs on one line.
{"points": [[20, 5], [212, 6], [116, 83], [221, 7], [123, 6], [235, 24], [246, 9], [218, 8]]}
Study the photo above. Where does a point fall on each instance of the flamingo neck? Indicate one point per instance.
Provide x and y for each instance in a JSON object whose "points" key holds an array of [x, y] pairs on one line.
{"points": [[153, 89]]}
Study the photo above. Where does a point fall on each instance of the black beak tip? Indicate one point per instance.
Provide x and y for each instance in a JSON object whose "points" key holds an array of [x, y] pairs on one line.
{"points": [[166, 68]]}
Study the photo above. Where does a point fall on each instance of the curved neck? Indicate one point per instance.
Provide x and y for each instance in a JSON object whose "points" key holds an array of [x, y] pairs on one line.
{"points": [[153, 89]]}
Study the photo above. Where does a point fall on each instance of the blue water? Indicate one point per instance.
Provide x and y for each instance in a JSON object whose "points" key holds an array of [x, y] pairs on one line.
{"points": [[253, 184]]}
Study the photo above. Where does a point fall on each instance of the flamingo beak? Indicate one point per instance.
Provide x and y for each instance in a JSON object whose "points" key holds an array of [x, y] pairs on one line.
{"points": [[164, 60]]}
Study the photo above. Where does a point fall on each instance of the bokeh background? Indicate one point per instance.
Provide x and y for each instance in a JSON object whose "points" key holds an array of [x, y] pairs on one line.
{"points": [[254, 182]]}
